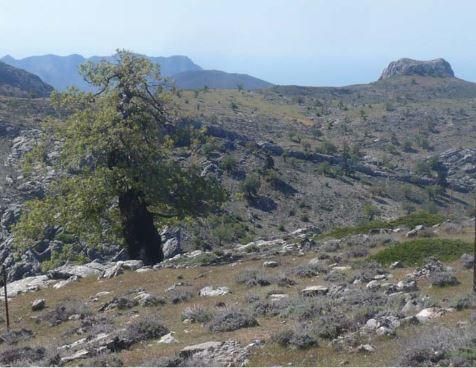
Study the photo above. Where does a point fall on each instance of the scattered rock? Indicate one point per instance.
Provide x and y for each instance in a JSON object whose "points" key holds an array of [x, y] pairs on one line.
{"points": [[429, 313], [211, 291], [270, 264], [366, 348], [396, 264], [315, 290], [168, 339], [38, 304]]}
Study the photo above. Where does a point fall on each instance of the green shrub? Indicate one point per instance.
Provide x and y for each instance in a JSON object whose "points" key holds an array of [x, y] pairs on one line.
{"points": [[414, 252], [411, 220]]}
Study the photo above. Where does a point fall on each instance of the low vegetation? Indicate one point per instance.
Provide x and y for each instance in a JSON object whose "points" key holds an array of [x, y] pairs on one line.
{"points": [[415, 252]]}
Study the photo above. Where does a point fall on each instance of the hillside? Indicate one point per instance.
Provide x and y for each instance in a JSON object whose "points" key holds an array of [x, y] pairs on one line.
{"points": [[18, 82], [320, 255], [218, 80]]}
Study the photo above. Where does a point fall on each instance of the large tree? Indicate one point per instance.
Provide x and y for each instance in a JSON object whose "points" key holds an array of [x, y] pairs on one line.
{"points": [[116, 173]]}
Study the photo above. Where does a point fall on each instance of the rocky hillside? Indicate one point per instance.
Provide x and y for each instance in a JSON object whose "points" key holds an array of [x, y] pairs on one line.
{"points": [[20, 83], [299, 300], [217, 79], [302, 152], [438, 68]]}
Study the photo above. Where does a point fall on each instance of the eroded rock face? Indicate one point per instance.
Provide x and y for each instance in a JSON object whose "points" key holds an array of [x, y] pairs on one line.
{"points": [[430, 68]]}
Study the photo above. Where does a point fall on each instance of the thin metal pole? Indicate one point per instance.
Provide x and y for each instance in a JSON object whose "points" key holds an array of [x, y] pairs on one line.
{"points": [[474, 253], [4, 271]]}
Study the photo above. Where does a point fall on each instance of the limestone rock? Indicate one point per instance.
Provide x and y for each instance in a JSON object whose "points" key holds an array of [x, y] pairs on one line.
{"points": [[211, 291], [314, 290], [409, 67], [38, 305]]}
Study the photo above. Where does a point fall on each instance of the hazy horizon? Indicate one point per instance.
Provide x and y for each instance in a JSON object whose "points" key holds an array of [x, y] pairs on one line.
{"points": [[301, 42]]}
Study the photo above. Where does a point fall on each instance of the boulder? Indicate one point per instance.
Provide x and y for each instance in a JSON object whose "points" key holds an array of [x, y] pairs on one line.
{"points": [[38, 304], [270, 264], [168, 339], [81, 271], [172, 242], [211, 291], [429, 313], [27, 284], [193, 349]]}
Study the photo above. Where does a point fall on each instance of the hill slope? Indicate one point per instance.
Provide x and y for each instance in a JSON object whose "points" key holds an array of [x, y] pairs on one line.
{"points": [[218, 80], [20, 83]]}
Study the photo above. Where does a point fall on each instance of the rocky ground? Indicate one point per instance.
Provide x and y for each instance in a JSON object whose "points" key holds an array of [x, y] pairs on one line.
{"points": [[303, 299]]}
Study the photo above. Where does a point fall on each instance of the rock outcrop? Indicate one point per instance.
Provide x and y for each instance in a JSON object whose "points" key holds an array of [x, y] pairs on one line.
{"points": [[430, 68]]}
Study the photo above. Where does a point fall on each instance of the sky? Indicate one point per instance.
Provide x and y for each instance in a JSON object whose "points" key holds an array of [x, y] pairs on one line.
{"points": [[304, 42]]}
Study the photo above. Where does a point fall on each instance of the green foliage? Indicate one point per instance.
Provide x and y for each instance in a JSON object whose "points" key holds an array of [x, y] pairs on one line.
{"points": [[68, 254], [250, 186], [113, 142], [411, 220], [370, 212], [414, 252], [228, 163], [327, 148]]}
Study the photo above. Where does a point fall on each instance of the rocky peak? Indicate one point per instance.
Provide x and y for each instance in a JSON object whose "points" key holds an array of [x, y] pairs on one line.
{"points": [[429, 68]]}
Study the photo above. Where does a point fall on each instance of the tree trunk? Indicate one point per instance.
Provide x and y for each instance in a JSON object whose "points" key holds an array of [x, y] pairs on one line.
{"points": [[141, 236]]}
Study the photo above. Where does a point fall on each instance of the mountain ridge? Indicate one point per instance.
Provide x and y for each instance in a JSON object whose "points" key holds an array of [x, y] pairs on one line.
{"points": [[63, 71]]}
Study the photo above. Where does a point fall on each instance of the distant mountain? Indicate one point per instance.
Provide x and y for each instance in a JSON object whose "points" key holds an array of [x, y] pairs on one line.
{"points": [[217, 79], [63, 71], [20, 83]]}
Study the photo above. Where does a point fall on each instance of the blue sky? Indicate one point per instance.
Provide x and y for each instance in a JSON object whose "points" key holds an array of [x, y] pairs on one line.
{"points": [[307, 42]]}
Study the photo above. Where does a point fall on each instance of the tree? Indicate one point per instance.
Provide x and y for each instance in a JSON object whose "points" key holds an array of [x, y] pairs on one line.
{"points": [[117, 176]]}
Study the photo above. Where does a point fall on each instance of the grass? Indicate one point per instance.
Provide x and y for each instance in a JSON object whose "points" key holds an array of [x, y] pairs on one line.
{"points": [[412, 220], [414, 252]]}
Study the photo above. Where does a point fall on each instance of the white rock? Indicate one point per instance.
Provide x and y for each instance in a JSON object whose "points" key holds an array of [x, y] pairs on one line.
{"points": [[38, 305], [81, 354], [168, 339], [277, 297], [192, 349], [342, 268], [372, 324], [270, 264], [366, 348], [372, 285], [211, 291], [314, 290], [429, 313]]}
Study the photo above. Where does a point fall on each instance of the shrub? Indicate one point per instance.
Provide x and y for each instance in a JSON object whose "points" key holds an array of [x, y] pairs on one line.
{"points": [[297, 338], [145, 328], [231, 320], [253, 278], [229, 163], [415, 252], [197, 313], [250, 186], [64, 310], [443, 279], [411, 220], [440, 346], [179, 295], [466, 302]]}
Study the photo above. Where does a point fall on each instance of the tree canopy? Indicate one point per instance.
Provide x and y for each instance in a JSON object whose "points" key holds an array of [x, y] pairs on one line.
{"points": [[116, 172]]}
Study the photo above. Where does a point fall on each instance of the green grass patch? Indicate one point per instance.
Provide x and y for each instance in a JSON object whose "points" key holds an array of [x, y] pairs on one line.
{"points": [[414, 252], [412, 220]]}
